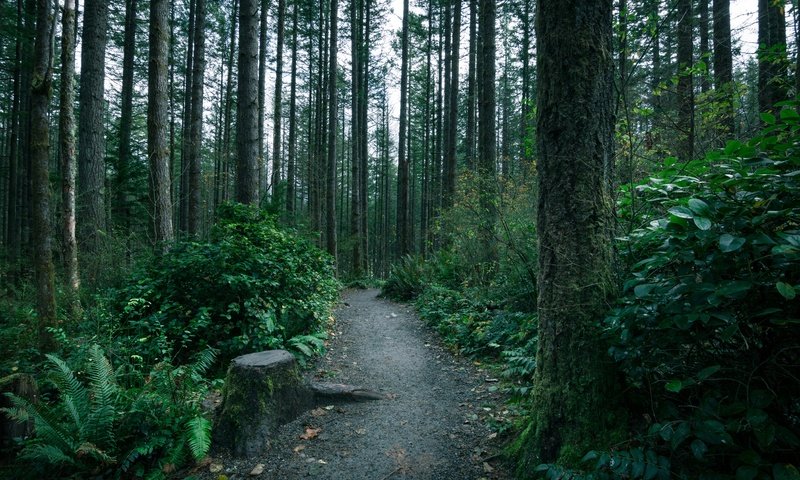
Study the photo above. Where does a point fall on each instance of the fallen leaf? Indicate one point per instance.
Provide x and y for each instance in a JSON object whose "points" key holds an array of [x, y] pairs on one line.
{"points": [[299, 448], [329, 407], [168, 468], [487, 468], [257, 470], [492, 435], [310, 433], [318, 412], [491, 380], [215, 468], [361, 431]]}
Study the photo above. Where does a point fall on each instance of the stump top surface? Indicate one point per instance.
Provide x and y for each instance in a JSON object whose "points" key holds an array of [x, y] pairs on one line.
{"points": [[265, 359]]}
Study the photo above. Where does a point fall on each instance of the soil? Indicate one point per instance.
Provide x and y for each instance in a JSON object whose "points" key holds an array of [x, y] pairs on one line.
{"points": [[434, 423]]}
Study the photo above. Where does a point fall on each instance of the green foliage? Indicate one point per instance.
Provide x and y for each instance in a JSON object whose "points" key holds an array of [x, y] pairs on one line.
{"points": [[253, 286], [106, 422], [472, 327], [405, 280], [707, 328]]}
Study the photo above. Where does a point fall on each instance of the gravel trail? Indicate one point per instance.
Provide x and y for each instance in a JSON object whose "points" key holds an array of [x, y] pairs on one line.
{"points": [[431, 426]]}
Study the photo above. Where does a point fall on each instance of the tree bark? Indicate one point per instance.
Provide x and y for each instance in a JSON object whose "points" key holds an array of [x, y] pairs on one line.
{"points": [[469, 138], [91, 129], [158, 151], [12, 227], [66, 134], [402, 160], [41, 89], [120, 200], [487, 136], [452, 122], [277, 106], [330, 192], [291, 167], [573, 379], [247, 114], [194, 157]]}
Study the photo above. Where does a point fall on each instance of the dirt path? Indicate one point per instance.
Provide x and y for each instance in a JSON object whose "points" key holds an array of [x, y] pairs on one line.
{"points": [[433, 426]]}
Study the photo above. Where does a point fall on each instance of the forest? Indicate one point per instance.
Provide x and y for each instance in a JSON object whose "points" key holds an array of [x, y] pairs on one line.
{"points": [[597, 200]]}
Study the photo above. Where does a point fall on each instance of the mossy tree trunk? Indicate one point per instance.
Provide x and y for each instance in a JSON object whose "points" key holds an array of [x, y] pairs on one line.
{"points": [[573, 384]]}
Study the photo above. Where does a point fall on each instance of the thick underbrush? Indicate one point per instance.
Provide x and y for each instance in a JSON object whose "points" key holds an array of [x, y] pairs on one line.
{"points": [[706, 331], [123, 396]]}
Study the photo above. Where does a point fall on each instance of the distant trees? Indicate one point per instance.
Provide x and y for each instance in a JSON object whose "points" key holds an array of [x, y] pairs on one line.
{"points": [[331, 152]]}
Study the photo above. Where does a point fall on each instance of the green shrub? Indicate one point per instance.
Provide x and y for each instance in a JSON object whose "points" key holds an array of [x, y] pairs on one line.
{"points": [[406, 279], [708, 327], [253, 286]]}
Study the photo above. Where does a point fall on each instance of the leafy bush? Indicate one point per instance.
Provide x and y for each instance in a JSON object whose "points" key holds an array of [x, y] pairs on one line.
{"points": [[116, 421], [253, 286], [707, 330]]}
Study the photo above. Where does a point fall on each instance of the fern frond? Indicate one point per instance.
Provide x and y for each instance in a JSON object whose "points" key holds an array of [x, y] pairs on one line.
{"points": [[69, 386], [99, 425], [47, 425], [41, 453], [203, 362], [198, 436]]}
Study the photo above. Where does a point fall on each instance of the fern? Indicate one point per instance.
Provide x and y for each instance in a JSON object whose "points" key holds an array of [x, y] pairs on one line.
{"points": [[100, 421], [198, 436]]}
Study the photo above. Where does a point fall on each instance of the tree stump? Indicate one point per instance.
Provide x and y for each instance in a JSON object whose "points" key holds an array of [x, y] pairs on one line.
{"points": [[21, 385], [262, 391]]}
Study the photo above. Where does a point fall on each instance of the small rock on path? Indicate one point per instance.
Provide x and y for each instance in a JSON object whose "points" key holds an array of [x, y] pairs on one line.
{"points": [[430, 427]]}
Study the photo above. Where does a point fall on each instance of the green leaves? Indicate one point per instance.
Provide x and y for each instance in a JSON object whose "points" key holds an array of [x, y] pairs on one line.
{"points": [[728, 243], [786, 290]]}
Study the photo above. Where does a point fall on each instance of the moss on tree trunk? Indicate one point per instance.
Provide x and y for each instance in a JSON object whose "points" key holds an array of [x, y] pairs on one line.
{"points": [[574, 386]]}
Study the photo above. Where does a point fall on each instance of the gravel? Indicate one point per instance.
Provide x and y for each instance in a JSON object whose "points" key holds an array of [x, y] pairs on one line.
{"points": [[430, 426]]}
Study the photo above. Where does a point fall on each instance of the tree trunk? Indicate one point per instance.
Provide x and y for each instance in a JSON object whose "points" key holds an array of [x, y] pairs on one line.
{"points": [[41, 89], [469, 138], [573, 381], [330, 193], [452, 122], [355, 132], [91, 130], [685, 147], [771, 54], [158, 151], [723, 59], [66, 134], [291, 167], [247, 114], [226, 133], [194, 158], [277, 106], [120, 200], [186, 130], [487, 137], [12, 227], [402, 160]]}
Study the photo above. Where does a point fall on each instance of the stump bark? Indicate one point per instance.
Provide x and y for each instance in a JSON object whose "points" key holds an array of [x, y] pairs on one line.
{"points": [[262, 391], [21, 385]]}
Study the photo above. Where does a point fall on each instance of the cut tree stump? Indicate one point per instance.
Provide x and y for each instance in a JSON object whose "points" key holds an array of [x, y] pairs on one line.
{"points": [[265, 390], [21, 385], [262, 391]]}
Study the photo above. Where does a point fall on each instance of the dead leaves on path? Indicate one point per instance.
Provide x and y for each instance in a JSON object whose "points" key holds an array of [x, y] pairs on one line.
{"points": [[310, 433]]}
